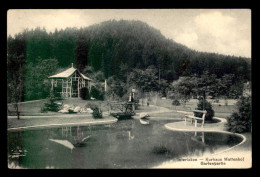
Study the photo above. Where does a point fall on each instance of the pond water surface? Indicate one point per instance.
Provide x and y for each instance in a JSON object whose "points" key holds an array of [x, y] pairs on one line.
{"points": [[124, 144]]}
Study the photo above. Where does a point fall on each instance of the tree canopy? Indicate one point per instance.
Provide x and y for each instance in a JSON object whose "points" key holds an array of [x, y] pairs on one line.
{"points": [[117, 48]]}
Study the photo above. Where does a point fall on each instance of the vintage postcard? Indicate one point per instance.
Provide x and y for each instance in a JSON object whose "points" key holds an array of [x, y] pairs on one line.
{"points": [[129, 89]]}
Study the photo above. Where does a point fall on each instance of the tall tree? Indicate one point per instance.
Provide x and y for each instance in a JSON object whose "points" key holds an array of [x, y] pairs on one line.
{"points": [[37, 83], [81, 51], [184, 87], [15, 88]]}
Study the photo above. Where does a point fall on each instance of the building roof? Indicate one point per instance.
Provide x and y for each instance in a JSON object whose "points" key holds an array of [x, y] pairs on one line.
{"points": [[85, 77], [67, 73]]}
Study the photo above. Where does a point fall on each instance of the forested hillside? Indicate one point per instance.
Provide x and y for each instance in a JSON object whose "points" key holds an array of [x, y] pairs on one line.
{"points": [[115, 48]]}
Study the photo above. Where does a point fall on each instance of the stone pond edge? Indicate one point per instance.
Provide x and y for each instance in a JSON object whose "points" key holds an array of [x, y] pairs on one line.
{"points": [[66, 124], [206, 130]]}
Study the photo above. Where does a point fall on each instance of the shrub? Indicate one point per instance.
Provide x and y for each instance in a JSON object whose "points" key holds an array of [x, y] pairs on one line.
{"points": [[96, 93], [44, 109], [50, 105], [84, 93], [207, 107], [176, 102], [240, 121], [97, 113], [71, 111]]}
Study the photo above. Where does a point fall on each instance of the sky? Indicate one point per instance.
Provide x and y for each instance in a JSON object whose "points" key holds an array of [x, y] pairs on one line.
{"points": [[223, 31]]}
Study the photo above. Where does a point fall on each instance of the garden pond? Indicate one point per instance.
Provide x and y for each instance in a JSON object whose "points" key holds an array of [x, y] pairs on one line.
{"points": [[124, 144]]}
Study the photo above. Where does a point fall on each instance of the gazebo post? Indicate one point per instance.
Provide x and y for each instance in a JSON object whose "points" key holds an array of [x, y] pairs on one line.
{"points": [[62, 86], [78, 86], [70, 87], [67, 88], [52, 84]]}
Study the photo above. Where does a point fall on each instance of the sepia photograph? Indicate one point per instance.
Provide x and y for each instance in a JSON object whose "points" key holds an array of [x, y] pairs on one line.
{"points": [[129, 89]]}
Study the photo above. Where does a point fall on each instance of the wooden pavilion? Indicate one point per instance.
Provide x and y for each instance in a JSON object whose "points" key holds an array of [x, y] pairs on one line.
{"points": [[69, 82]]}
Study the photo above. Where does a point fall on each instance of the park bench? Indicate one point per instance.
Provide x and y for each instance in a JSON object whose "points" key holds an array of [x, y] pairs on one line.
{"points": [[196, 118]]}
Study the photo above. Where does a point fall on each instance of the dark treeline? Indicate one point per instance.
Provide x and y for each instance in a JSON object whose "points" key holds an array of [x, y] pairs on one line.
{"points": [[113, 45]]}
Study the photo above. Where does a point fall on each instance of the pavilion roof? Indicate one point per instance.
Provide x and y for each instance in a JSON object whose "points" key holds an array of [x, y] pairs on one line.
{"points": [[85, 77], [67, 73]]}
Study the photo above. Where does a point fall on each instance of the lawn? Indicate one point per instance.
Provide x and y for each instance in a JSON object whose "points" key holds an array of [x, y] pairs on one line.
{"points": [[220, 108], [25, 108], [34, 108]]}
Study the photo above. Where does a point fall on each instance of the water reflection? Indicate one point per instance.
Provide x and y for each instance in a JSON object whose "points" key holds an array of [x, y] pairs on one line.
{"points": [[65, 131], [65, 143], [72, 139], [125, 144], [200, 138]]}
